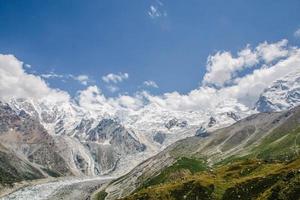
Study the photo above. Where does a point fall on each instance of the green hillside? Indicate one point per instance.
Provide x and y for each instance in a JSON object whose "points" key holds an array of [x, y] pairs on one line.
{"points": [[269, 170], [243, 179]]}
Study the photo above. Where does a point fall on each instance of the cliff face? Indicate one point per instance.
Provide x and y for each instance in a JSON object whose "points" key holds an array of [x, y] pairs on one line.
{"points": [[24, 136]]}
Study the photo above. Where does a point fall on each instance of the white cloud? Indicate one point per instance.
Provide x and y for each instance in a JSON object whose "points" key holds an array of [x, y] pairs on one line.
{"points": [[244, 89], [271, 52], [150, 83], [27, 66], [90, 97], [222, 67], [51, 75], [83, 79], [297, 33], [153, 12], [112, 88], [271, 61], [92, 100], [16, 83], [201, 98], [115, 78], [129, 102], [156, 10], [248, 87]]}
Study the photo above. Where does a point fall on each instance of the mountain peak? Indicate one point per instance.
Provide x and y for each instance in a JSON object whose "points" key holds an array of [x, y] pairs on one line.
{"points": [[283, 94]]}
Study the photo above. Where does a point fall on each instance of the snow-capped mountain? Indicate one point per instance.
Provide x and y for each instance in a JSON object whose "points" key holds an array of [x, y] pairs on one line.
{"points": [[283, 94], [113, 140], [100, 142]]}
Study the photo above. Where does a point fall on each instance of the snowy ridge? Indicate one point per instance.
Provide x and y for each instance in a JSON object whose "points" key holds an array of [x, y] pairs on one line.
{"points": [[134, 131], [283, 94], [76, 126]]}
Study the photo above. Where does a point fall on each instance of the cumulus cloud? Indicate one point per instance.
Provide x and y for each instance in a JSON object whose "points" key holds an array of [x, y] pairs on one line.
{"points": [[243, 89], [297, 33], [91, 98], [247, 88], [201, 98], [223, 67], [271, 52], [16, 83], [150, 83], [265, 63], [129, 102], [115, 78]]}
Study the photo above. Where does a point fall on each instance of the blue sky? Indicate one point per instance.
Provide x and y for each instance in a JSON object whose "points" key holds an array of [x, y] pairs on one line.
{"points": [[168, 44]]}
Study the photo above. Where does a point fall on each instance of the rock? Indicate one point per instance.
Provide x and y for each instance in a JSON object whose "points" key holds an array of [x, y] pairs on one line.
{"points": [[175, 122], [159, 137], [202, 132], [233, 116], [212, 122]]}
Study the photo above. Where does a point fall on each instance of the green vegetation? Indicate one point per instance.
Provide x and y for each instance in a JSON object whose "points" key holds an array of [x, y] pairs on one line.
{"points": [[241, 179], [271, 170], [280, 145], [101, 195], [193, 165], [183, 166], [257, 158]]}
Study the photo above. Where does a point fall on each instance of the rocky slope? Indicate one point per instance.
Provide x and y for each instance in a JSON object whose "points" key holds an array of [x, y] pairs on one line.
{"points": [[61, 154], [28, 140], [14, 168], [264, 136], [101, 143]]}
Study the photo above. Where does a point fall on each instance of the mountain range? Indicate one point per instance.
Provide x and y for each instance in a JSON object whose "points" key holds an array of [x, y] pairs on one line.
{"points": [[39, 139], [255, 158]]}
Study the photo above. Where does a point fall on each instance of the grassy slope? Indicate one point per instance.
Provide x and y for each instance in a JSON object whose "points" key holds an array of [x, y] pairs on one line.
{"points": [[247, 179], [270, 171], [183, 166]]}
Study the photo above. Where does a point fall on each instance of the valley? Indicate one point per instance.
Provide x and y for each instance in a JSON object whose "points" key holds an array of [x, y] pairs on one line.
{"points": [[224, 164], [63, 188], [152, 153]]}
